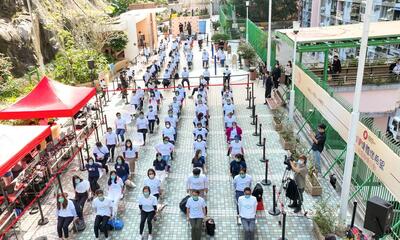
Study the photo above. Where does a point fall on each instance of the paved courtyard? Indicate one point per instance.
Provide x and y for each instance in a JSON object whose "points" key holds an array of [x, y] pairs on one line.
{"points": [[221, 206]]}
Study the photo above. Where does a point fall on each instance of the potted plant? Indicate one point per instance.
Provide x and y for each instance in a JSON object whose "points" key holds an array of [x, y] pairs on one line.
{"points": [[313, 186], [278, 117], [218, 37], [287, 137], [248, 53], [325, 218]]}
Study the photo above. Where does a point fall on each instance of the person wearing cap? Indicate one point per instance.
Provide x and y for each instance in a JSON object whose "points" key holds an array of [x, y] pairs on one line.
{"points": [[318, 145], [185, 77]]}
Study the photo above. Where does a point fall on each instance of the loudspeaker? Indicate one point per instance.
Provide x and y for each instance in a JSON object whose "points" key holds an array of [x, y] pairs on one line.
{"points": [[378, 216], [90, 64]]}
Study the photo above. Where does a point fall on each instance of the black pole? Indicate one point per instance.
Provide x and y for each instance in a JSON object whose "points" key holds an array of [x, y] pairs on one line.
{"points": [[260, 144], [252, 90], [353, 217], [249, 107], [253, 111], [266, 181], [97, 133], [42, 221], [283, 227], [263, 159], [82, 167], [105, 120], [59, 183], [274, 211], [126, 98], [87, 149], [255, 121]]}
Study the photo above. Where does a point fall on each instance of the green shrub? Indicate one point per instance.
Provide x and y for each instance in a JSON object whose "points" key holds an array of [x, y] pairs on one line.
{"points": [[117, 41], [219, 36], [325, 216], [247, 51]]}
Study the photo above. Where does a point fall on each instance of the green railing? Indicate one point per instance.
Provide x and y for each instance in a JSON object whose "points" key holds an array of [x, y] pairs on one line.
{"points": [[258, 39]]}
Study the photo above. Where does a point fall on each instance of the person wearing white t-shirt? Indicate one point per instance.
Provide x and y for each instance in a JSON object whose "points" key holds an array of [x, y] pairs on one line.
{"points": [[200, 130], [135, 101], [169, 132], [101, 155], [200, 144], [176, 106], [115, 189], [185, 77], [221, 56], [152, 118], [227, 75], [111, 141], [181, 91], [240, 182], [165, 149], [201, 108], [66, 213], [200, 119], [229, 119], [206, 75], [195, 213], [148, 207], [229, 107], [81, 188], [153, 182], [235, 147], [103, 208], [189, 58], [198, 182], [205, 58], [247, 212], [171, 118], [120, 126], [140, 93], [142, 124], [130, 153]]}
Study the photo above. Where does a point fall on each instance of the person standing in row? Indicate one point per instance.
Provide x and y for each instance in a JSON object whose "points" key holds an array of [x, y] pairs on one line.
{"points": [[120, 126], [300, 169], [131, 155], [195, 213], [142, 125], [81, 188], [65, 215], [276, 75], [247, 210], [160, 166], [152, 118], [198, 182], [93, 169], [288, 74], [103, 208], [101, 154], [111, 141], [165, 149], [240, 182], [236, 165], [205, 57], [115, 189], [268, 84], [185, 77], [122, 168], [153, 182], [148, 207]]}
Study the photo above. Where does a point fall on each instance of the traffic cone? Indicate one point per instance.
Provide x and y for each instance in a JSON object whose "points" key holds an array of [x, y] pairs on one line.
{"points": [[260, 205]]}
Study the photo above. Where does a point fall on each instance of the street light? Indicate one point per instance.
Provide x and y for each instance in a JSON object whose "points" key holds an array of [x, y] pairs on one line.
{"points": [[355, 116], [90, 64], [296, 29], [247, 20], [269, 35]]}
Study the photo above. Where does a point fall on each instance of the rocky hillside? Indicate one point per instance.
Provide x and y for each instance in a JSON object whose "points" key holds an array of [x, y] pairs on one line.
{"points": [[31, 37]]}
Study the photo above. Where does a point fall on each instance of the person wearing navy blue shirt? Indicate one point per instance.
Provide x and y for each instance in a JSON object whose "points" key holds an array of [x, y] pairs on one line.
{"points": [[122, 168], [93, 169], [237, 164]]}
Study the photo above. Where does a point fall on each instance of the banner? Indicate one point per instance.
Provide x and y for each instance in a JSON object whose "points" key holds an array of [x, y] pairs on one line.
{"points": [[379, 158]]}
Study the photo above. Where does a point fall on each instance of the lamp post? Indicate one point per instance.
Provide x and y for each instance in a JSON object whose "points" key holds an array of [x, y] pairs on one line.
{"points": [[90, 64], [211, 9], [355, 115], [296, 29], [269, 35], [247, 20]]}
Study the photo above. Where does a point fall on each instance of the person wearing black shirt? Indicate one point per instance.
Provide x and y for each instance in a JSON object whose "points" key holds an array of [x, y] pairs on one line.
{"points": [[336, 65], [318, 145], [237, 164], [268, 85], [276, 75]]}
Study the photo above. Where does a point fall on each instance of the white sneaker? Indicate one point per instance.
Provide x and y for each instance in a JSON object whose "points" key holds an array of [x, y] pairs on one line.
{"points": [[239, 221], [149, 237], [140, 237]]}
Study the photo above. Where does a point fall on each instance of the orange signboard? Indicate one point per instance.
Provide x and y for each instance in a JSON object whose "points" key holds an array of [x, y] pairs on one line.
{"points": [[382, 161]]}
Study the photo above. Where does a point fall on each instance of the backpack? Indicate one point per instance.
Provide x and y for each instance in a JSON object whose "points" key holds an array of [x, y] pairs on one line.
{"points": [[258, 191], [115, 224], [355, 234], [210, 227], [79, 225], [182, 204]]}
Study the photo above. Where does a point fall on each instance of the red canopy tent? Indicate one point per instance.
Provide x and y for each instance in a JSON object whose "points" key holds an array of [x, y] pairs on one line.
{"points": [[14, 147], [49, 99]]}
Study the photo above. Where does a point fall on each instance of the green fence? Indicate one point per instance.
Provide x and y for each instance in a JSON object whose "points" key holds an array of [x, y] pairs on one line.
{"points": [[258, 39], [365, 183]]}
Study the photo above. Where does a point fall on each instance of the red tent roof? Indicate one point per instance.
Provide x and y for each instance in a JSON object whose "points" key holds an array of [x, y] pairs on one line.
{"points": [[49, 99], [17, 141]]}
